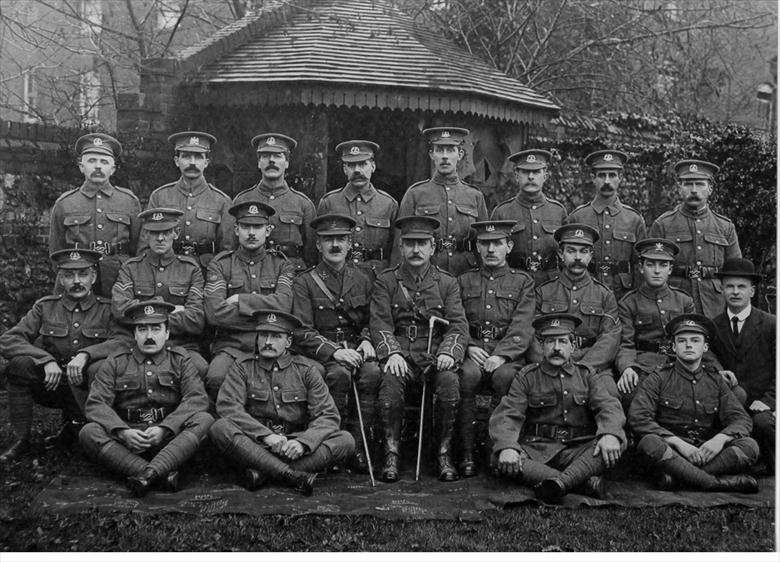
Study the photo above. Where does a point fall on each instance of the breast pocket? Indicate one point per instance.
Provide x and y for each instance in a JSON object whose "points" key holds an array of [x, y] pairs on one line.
{"points": [[168, 385], [554, 306], [77, 226], [671, 404], [624, 236], [208, 215], [178, 294], [680, 236], [379, 226], [144, 291], [427, 210], [591, 314], [545, 400], [95, 333], [126, 385], [235, 286], [258, 401], [120, 226], [469, 211], [717, 245]]}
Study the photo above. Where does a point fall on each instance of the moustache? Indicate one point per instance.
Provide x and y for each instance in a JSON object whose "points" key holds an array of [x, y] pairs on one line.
{"points": [[694, 198], [192, 168], [98, 175], [271, 167], [335, 250], [267, 347], [357, 176], [556, 354], [149, 341], [77, 287]]}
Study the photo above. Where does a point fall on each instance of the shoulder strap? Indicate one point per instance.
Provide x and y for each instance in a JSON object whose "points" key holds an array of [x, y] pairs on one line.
{"points": [[318, 280]]}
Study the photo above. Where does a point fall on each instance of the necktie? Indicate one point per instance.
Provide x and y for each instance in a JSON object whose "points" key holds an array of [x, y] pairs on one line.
{"points": [[735, 326]]}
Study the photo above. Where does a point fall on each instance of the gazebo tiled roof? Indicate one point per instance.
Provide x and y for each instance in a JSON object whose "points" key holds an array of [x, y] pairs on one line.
{"points": [[354, 53]]}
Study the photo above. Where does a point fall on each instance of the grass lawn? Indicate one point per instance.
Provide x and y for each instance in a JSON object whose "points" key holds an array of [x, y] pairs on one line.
{"points": [[525, 528]]}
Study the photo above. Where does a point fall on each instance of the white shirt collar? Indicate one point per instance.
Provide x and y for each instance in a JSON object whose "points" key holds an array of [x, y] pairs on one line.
{"points": [[742, 316]]}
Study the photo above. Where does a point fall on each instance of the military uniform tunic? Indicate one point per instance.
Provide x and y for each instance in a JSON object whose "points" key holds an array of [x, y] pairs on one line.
{"points": [[285, 396], [375, 212], [178, 280], [619, 227], [594, 304], [535, 249], [260, 280], [568, 401], [644, 314], [291, 234], [206, 226], [456, 205], [705, 239], [499, 305], [694, 406]]}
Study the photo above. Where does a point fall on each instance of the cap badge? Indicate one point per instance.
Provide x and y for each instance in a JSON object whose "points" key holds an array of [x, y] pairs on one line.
{"points": [[97, 141], [75, 256], [445, 134], [195, 141], [149, 310], [272, 318], [555, 322], [270, 140], [490, 228], [530, 158], [659, 247], [690, 323], [579, 233], [157, 217], [693, 168], [354, 150], [253, 210], [608, 157]]}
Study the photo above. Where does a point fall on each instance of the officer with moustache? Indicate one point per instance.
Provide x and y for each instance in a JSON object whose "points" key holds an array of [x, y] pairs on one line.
{"points": [[98, 215], [373, 210], [56, 349], [291, 234], [147, 406], [207, 227]]}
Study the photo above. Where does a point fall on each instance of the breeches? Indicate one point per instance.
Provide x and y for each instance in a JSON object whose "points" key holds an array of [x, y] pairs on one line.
{"points": [[473, 378]]}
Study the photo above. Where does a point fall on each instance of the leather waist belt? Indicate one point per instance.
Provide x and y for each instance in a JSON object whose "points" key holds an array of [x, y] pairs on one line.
{"points": [[610, 267], [482, 332], [145, 415], [692, 433], [655, 347], [412, 331], [109, 249], [560, 432], [281, 427], [340, 335], [183, 248], [360, 254], [454, 245], [582, 341], [694, 271], [288, 250]]}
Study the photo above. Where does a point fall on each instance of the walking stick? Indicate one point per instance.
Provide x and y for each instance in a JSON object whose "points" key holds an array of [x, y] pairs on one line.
{"points": [[360, 423], [431, 323]]}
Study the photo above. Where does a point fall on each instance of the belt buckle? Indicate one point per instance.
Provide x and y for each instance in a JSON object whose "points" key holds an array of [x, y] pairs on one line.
{"points": [[411, 332], [694, 271], [488, 332], [278, 429], [447, 244], [102, 248], [605, 268], [357, 255], [666, 349], [340, 335], [532, 264], [561, 433], [147, 416], [188, 249]]}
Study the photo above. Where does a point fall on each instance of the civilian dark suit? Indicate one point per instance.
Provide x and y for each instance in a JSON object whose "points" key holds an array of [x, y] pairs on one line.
{"points": [[751, 357]]}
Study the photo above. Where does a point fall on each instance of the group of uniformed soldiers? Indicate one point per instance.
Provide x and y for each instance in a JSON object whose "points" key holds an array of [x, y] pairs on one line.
{"points": [[285, 324]]}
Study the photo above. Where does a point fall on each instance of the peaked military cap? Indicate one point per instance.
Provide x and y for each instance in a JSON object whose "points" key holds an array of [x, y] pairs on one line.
{"points": [[576, 233], [357, 150], [690, 323], [453, 136], [533, 159], [493, 230], [192, 141], [274, 142], [149, 312], [160, 219], [275, 321], [414, 227], [555, 324], [333, 224], [252, 212], [695, 170], [739, 267], [656, 249], [98, 143], [606, 159], [74, 258]]}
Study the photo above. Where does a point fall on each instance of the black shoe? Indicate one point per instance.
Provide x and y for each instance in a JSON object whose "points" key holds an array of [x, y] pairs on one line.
{"points": [[593, 487], [172, 481], [141, 483], [550, 490], [65, 437], [302, 482], [467, 467], [390, 469], [359, 462], [741, 483], [16, 450], [447, 472], [253, 479], [664, 481]]}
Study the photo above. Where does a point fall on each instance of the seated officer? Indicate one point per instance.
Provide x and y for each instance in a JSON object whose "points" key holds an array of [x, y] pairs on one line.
{"points": [[405, 297], [559, 426], [146, 403], [691, 426], [331, 301], [238, 283], [645, 312], [61, 341], [499, 304], [159, 272], [277, 419]]}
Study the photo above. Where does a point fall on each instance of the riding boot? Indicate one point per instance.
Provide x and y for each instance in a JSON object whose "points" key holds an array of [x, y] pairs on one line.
{"points": [[391, 417], [731, 460], [319, 460], [20, 411], [120, 459], [466, 423], [445, 413]]}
